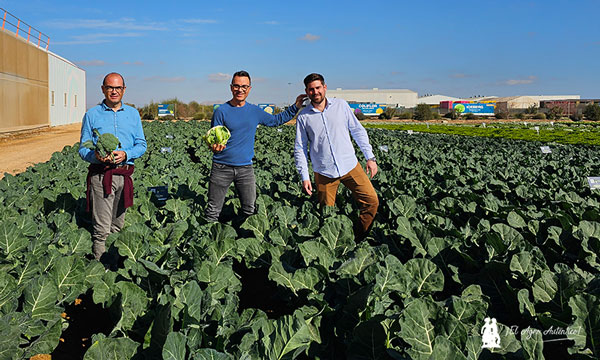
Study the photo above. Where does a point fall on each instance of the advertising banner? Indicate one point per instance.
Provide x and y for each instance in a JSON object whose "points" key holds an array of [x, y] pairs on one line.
{"points": [[268, 108], [474, 108], [368, 109], [166, 109]]}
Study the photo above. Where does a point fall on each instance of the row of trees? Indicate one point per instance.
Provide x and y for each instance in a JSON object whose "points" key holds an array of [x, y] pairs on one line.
{"points": [[424, 112], [191, 110], [196, 111]]}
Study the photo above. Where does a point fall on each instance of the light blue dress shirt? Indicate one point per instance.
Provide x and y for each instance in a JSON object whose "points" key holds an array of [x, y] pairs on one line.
{"points": [[327, 135], [124, 123]]}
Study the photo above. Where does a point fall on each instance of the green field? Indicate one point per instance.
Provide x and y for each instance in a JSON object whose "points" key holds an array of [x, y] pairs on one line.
{"points": [[560, 133], [468, 227]]}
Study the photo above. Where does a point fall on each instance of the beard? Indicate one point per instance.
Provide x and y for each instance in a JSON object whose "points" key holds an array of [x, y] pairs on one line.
{"points": [[317, 99]]}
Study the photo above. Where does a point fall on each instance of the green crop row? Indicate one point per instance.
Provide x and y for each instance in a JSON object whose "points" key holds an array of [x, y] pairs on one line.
{"points": [[559, 135], [468, 229]]}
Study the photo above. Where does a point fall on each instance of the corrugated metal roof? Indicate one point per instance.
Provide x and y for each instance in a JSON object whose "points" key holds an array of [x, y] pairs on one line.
{"points": [[63, 59], [376, 90], [511, 98]]}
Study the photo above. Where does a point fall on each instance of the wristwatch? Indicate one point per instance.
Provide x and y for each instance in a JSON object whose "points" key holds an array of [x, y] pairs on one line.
{"points": [[372, 159]]}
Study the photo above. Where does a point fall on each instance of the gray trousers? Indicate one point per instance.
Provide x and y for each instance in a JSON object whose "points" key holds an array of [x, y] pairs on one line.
{"points": [[221, 176], [108, 214]]}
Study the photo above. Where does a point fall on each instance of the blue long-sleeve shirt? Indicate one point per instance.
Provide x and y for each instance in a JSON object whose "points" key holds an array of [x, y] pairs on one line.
{"points": [[124, 123], [241, 122], [328, 133]]}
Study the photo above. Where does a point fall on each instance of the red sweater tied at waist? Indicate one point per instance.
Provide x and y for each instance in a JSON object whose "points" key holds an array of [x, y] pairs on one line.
{"points": [[126, 171]]}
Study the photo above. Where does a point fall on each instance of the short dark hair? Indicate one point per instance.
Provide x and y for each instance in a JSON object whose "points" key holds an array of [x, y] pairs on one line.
{"points": [[313, 77], [112, 73], [241, 73]]}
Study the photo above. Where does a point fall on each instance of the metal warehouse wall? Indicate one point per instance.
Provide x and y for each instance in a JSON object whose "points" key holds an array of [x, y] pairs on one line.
{"points": [[23, 84], [66, 95], [406, 99]]}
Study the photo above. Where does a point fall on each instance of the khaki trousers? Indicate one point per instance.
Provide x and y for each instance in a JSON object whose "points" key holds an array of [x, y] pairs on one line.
{"points": [[362, 190], [108, 213]]}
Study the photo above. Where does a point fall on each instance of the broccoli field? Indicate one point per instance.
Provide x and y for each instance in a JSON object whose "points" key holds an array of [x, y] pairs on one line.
{"points": [[467, 229]]}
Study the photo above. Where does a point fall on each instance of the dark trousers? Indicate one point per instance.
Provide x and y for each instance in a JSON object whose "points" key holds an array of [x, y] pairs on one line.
{"points": [[221, 176]]}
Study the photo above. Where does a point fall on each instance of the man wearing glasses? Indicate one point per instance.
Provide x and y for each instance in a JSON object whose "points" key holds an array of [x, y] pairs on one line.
{"points": [[233, 163], [109, 184]]}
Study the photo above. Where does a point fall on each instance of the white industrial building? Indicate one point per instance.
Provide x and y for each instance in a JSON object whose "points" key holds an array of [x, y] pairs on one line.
{"points": [[37, 87], [392, 97], [515, 102], [66, 91], [554, 97], [434, 100]]}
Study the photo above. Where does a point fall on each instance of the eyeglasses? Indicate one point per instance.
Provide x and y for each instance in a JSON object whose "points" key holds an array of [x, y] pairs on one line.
{"points": [[114, 88], [238, 87]]}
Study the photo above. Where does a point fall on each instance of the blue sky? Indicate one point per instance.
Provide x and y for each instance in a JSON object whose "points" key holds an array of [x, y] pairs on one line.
{"points": [[189, 49]]}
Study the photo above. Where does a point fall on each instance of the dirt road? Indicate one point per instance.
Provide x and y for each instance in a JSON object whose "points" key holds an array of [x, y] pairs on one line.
{"points": [[19, 151]]}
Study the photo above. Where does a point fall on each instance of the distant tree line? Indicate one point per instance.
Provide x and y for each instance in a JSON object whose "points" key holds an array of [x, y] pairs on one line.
{"points": [[192, 110]]}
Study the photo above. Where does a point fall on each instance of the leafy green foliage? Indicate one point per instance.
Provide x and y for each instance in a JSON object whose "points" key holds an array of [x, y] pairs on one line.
{"points": [[217, 135], [423, 112], [105, 145], [557, 133], [467, 228], [592, 112]]}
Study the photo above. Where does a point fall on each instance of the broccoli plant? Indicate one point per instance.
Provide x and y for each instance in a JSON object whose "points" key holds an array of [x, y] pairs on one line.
{"points": [[106, 144]]}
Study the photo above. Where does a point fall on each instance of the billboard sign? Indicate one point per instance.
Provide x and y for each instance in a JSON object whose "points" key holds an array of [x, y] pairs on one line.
{"points": [[268, 108], [166, 109], [368, 109], [474, 108]]}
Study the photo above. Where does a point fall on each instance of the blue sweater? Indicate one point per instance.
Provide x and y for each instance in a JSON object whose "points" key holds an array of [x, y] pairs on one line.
{"points": [[242, 122]]}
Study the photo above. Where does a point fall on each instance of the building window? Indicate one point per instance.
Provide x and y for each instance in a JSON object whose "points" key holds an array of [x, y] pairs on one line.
{"points": [[75, 102], [65, 99], [52, 98]]}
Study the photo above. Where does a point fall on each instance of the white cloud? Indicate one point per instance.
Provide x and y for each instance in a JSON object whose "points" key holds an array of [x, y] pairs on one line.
{"points": [[218, 77], [105, 35], [460, 76], [310, 37], [136, 63], [161, 79], [81, 42], [199, 21], [271, 22], [90, 63], [123, 24], [95, 38], [529, 80]]}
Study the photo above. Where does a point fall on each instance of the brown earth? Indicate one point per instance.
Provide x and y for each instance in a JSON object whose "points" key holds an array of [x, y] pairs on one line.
{"points": [[22, 150]]}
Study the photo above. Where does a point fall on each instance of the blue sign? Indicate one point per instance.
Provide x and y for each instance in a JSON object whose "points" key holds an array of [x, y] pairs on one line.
{"points": [[268, 108], [166, 109], [474, 108], [368, 109]]}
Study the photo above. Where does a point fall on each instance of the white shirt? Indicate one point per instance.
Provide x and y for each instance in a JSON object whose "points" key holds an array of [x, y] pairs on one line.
{"points": [[327, 134]]}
